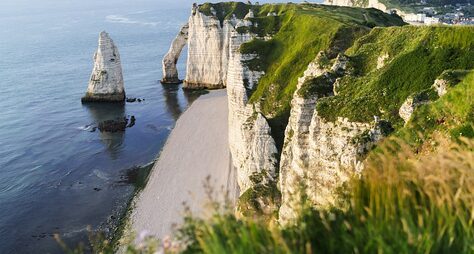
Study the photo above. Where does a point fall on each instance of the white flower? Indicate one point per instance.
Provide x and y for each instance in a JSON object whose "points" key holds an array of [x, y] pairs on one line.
{"points": [[143, 235]]}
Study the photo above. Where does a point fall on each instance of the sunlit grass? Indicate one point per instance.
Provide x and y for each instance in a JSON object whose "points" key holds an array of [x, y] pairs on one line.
{"points": [[401, 204]]}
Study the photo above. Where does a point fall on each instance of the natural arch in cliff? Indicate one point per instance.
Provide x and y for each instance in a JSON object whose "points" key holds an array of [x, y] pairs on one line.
{"points": [[170, 72]]}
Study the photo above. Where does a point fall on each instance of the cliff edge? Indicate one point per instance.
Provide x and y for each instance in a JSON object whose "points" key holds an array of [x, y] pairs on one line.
{"points": [[339, 119], [247, 48]]}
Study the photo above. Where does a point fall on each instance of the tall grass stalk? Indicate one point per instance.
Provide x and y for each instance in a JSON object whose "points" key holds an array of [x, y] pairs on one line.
{"points": [[403, 203]]}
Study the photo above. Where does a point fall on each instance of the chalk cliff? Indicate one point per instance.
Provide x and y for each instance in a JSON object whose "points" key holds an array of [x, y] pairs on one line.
{"points": [[251, 144], [409, 106], [365, 4], [208, 51], [353, 3], [313, 89], [170, 73], [214, 61], [317, 154], [106, 81], [207, 39]]}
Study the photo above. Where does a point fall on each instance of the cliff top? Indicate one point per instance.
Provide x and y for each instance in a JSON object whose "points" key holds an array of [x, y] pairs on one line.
{"points": [[226, 10], [450, 116], [298, 33], [394, 63]]}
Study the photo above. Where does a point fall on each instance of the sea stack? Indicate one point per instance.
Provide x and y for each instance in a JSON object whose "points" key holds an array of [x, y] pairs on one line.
{"points": [[106, 82]]}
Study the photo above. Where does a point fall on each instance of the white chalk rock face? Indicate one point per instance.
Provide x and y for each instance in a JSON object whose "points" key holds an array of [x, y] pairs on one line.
{"points": [[409, 106], [106, 81], [382, 60], [208, 51], [170, 73], [214, 61], [441, 86], [319, 156], [368, 4], [251, 144]]}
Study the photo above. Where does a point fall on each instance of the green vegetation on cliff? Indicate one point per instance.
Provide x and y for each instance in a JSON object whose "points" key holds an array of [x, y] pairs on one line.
{"points": [[402, 204], [225, 10], [394, 63], [304, 31], [406, 201], [298, 33], [301, 32], [415, 194], [451, 117]]}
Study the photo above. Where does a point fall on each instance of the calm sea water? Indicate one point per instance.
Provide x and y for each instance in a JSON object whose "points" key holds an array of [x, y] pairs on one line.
{"points": [[55, 175]]}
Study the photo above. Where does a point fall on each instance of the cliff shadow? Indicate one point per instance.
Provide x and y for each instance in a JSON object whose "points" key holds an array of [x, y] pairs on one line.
{"points": [[101, 113], [192, 94], [170, 93]]}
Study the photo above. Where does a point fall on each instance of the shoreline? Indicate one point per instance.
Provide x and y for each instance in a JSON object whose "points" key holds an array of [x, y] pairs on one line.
{"points": [[196, 148]]}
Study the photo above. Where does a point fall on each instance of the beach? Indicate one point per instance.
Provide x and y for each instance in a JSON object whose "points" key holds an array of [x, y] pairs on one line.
{"points": [[196, 149]]}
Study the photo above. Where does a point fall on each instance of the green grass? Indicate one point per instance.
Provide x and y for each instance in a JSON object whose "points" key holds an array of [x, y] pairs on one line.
{"points": [[225, 10], [451, 116], [267, 25], [401, 204], [406, 201], [305, 30], [453, 77], [318, 87], [260, 201], [300, 32], [417, 56]]}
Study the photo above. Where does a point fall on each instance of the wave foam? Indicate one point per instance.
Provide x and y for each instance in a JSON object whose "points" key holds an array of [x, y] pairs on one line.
{"points": [[124, 20]]}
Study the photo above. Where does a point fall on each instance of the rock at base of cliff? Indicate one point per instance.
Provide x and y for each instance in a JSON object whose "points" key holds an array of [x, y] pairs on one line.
{"points": [[112, 98], [193, 85], [171, 81]]}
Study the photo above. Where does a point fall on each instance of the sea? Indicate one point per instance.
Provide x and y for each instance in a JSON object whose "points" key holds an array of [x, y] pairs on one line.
{"points": [[59, 174]]}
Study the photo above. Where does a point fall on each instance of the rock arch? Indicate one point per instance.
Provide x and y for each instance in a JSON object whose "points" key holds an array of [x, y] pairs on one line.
{"points": [[170, 73]]}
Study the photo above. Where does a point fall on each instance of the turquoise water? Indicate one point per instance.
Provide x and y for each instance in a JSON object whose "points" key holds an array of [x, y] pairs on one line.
{"points": [[55, 175]]}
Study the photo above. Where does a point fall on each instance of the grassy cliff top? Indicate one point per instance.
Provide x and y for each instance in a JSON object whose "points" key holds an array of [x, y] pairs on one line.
{"points": [[394, 63], [408, 5], [299, 32], [450, 117], [225, 10], [391, 62], [303, 31]]}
